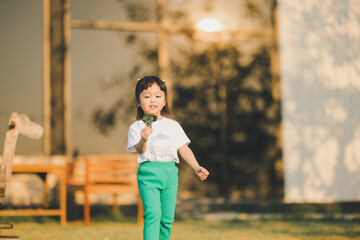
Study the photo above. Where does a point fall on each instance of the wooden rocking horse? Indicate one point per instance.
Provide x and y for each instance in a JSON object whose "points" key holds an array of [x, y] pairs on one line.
{"points": [[18, 124]]}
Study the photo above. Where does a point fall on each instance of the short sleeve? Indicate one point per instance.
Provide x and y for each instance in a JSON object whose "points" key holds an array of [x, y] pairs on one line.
{"points": [[133, 137], [181, 137]]}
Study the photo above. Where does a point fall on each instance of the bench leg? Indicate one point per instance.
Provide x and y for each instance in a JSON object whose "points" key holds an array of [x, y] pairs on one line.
{"points": [[140, 218], [115, 206], [46, 192], [86, 208]]}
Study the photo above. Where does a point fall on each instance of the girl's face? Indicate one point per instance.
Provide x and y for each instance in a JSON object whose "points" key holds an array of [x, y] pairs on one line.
{"points": [[152, 100]]}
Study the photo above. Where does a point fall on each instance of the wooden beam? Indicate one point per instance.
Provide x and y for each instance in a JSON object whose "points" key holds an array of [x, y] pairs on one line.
{"points": [[233, 34], [152, 27], [129, 26], [250, 34]]}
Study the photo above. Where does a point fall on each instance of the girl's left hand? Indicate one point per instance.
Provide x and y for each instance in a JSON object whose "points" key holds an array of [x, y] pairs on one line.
{"points": [[202, 173]]}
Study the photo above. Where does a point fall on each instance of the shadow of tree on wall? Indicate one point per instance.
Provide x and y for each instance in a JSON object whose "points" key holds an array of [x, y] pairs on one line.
{"points": [[225, 106], [245, 166], [321, 86]]}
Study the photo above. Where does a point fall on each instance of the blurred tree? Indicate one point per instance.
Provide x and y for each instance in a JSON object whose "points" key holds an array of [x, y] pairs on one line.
{"points": [[242, 158]]}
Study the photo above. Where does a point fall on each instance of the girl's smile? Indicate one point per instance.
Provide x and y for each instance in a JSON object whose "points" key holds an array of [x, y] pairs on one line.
{"points": [[152, 100]]}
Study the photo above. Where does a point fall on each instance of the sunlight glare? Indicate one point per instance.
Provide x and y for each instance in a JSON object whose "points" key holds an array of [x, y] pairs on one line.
{"points": [[209, 25]]}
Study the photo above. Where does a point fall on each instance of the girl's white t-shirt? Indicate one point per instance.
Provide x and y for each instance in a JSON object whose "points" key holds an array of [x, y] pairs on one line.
{"points": [[167, 137]]}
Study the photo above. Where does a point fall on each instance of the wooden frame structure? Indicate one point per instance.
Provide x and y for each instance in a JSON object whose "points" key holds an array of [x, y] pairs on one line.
{"points": [[163, 59]]}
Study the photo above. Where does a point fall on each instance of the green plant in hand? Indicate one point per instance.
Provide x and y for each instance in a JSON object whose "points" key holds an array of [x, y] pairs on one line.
{"points": [[148, 119]]}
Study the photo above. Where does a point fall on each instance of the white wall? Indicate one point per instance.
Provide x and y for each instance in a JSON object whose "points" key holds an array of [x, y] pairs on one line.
{"points": [[320, 74]]}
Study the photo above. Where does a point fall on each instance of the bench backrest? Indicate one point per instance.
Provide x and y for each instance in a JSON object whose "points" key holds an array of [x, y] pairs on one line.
{"points": [[111, 169]]}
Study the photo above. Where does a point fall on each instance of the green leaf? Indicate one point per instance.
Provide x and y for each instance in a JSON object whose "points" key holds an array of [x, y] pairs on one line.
{"points": [[148, 119]]}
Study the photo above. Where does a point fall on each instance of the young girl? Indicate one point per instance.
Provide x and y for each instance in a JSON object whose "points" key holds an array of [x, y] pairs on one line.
{"points": [[158, 147]]}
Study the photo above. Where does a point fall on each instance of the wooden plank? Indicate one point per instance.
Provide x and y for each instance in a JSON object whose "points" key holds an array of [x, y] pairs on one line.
{"points": [[112, 179], [112, 170], [38, 168], [112, 188], [112, 156], [30, 212], [116, 180], [112, 160], [107, 165], [112, 175]]}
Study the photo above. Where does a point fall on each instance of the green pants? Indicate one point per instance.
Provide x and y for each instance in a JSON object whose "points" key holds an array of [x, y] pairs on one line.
{"points": [[158, 183]]}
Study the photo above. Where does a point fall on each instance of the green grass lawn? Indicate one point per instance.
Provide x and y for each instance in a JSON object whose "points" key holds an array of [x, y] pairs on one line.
{"points": [[50, 229]]}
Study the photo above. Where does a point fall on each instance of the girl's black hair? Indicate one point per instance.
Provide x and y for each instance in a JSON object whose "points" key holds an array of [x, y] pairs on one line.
{"points": [[143, 84]]}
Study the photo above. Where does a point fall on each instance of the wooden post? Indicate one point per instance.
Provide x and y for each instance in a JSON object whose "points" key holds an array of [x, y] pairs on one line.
{"points": [[86, 196], [67, 76], [63, 190], [275, 60], [224, 136], [59, 81], [140, 213], [115, 205], [46, 77], [276, 88], [275, 66], [163, 58]]}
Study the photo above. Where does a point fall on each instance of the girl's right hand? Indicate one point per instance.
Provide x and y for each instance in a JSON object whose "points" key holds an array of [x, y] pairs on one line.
{"points": [[145, 133]]}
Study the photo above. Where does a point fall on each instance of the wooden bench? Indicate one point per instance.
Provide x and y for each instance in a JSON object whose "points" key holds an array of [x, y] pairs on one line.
{"points": [[43, 166], [113, 174]]}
